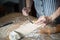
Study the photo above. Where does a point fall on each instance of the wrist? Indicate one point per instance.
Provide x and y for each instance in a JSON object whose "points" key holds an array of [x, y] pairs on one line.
{"points": [[49, 19], [28, 9], [52, 18]]}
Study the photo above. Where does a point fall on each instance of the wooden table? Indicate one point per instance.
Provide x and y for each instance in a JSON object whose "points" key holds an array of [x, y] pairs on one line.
{"points": [[17, 17], [4, 31]]}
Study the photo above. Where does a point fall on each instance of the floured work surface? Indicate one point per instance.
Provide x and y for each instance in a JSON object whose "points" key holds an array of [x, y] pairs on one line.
{"points": [[4, 31], [28, 27], [18, 19], [35, 35]]}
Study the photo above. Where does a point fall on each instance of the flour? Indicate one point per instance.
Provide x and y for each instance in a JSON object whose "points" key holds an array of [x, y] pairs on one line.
{"points": [[24, 29], [27, 28]]}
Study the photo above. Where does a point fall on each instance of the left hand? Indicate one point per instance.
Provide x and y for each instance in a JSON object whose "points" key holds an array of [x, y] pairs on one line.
{"points": [[45, 20]]}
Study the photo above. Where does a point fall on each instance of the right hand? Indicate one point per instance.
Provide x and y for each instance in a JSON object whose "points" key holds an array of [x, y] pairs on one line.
{"points": [[44, 20], [26, 11]]}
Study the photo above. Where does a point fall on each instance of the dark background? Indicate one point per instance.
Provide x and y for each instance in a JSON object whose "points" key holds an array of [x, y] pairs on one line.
{"points": [[9, 6]]}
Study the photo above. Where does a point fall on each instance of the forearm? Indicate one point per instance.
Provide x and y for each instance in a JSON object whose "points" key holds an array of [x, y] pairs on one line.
{"points": [[55, 14], [29, 3]]}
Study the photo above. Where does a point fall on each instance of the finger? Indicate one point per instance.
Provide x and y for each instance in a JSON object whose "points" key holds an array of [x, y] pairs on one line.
{"points": [[38, 21]]}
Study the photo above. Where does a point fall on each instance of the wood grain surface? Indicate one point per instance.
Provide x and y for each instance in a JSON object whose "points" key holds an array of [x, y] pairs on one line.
{"points": [[18, 19]]}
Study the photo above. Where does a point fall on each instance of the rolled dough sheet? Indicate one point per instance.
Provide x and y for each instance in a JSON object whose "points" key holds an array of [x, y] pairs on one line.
{"points": [[27, 28]]}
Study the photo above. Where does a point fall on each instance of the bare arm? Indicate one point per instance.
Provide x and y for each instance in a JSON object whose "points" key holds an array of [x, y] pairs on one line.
{"points": [[29, 3], [45, 20], [56, 14], [27, 9]]}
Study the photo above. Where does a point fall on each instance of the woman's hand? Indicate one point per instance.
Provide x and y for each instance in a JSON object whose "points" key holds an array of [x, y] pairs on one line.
{"points": [[26, 11], [43, 20]]}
